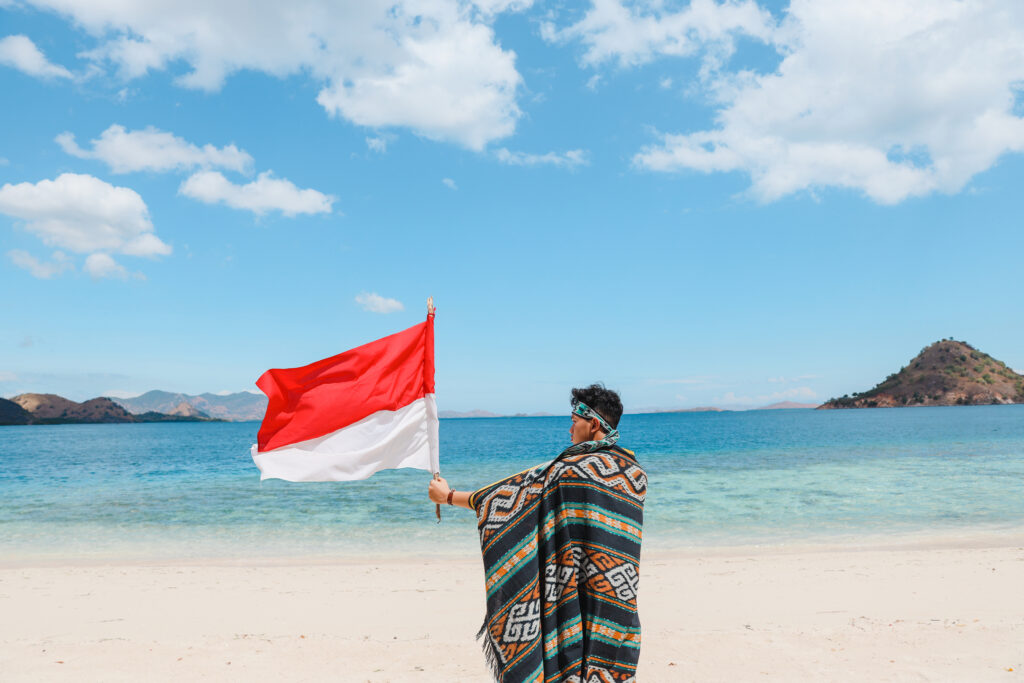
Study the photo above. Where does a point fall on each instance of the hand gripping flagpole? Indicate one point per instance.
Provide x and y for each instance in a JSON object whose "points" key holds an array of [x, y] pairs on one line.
{"points": [[437, 474]]}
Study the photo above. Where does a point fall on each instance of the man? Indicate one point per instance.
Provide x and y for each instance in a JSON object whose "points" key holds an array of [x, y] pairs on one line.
{"points": [[561, 550]]}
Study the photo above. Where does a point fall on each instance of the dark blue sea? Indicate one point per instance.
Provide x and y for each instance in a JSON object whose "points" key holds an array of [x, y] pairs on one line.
{"points": [[731, 478]]}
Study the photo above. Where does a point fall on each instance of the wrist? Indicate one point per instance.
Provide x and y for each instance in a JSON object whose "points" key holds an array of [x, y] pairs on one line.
{"points": [[451, 492]]}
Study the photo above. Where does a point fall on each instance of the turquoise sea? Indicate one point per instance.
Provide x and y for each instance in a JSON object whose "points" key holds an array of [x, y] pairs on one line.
{"points": [[732, 478]]}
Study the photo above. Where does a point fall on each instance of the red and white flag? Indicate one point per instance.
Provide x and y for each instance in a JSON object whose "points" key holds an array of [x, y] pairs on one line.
{"points": [[348, 416]]}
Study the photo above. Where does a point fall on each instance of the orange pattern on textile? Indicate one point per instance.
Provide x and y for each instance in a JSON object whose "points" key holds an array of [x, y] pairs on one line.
{"points": [[567, 513], [511, 563], [516, 629]]}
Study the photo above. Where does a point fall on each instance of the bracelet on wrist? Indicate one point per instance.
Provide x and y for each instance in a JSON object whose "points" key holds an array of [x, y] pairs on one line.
{"points": [[450, 493]]}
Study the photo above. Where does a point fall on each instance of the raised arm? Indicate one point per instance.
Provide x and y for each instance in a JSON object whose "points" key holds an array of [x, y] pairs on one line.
{"points": [[439, 490]]}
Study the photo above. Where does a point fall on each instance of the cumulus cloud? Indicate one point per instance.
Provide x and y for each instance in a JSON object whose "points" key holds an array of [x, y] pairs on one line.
{"points": [[449, 183], [264, 194], [454, 85], [499, 6], [154, 150], [375, 303], [433, 66], [44, 270], [640, 32], [102, 266], [891, 98], [82, 214], [21, 53], [570, 159]]}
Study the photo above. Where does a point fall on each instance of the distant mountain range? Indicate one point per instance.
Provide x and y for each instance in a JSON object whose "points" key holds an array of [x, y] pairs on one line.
{"points": [[784, 405], [467, 413], [26, 409], [488, 414], [238, 407], [788, 405], [946, 373]]}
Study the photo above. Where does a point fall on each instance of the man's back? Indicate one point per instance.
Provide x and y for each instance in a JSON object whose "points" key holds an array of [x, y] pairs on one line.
{"points": [[561, 549]]}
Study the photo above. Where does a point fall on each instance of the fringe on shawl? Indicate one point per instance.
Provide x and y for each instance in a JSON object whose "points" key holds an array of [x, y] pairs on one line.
{"points": [[490, 655]]}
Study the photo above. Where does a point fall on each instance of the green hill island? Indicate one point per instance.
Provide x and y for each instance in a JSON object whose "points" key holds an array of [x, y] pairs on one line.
{"points": [[946, 373]]}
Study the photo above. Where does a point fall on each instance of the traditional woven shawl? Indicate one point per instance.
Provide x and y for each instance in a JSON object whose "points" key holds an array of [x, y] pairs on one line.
{"points": [[561, 551]]}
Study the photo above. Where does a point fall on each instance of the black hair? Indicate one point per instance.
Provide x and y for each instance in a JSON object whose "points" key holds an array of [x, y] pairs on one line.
{"points": [[605, 402]]}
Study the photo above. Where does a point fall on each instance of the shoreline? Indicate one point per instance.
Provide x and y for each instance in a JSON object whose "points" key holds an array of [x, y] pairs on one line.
{"points": [[466, 551]]}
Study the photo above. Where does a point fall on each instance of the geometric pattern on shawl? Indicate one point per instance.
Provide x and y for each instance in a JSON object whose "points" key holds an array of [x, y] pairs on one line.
{"points": [[561, 550]]}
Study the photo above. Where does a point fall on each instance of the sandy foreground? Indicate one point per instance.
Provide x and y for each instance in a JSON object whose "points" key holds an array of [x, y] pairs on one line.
{"points": [[935, 612]]}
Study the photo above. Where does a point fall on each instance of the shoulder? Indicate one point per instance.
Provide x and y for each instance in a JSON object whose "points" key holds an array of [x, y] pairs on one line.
{"points": [[613, 468], [508, 484], [608, 467], [613, 456]]}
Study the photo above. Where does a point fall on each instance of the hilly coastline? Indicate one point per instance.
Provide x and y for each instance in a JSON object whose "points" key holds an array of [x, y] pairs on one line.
{"points": [[946, 373], [30, 409], [241, 406]]}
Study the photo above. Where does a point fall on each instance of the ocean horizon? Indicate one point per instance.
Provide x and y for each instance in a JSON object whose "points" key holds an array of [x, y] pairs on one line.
{"points": [[729, 478]]}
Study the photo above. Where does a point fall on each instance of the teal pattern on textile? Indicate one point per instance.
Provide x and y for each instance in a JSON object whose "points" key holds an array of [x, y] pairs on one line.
{"points": [[561, 553], [586, 412]]}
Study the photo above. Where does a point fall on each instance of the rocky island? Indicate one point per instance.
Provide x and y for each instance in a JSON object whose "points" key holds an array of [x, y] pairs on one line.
{"points": [[946, 373]]}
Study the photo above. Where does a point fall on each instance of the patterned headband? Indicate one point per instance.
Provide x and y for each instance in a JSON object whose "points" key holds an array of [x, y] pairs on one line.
{"points": [[586, 412]]}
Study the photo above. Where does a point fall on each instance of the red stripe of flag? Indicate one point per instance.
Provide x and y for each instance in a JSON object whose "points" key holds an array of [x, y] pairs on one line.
{"points": [[320, 398]]}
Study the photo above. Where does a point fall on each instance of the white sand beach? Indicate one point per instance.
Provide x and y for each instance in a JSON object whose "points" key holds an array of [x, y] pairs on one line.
{"points": [[926, 611]]}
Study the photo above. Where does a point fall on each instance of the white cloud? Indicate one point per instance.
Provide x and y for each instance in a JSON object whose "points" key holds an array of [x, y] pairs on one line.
{"points": [[4, 161], [570, 159], [22, 54], [375, 303], [44, 270], [453, 86], [8, 376], [433, 66], [154, 150], [892, 98], [637, 33], [790, 394], [499, 6], [730, 398], [264, 194], [377, 144], [449, 183], [83, 214], [102, 266]]}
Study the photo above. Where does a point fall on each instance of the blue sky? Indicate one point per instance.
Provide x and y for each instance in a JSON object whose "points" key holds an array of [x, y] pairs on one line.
{"points": [[724, 203]]}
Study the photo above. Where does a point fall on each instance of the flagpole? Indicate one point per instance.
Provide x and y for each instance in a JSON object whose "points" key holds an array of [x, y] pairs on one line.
{"points": [[437, 474]]}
